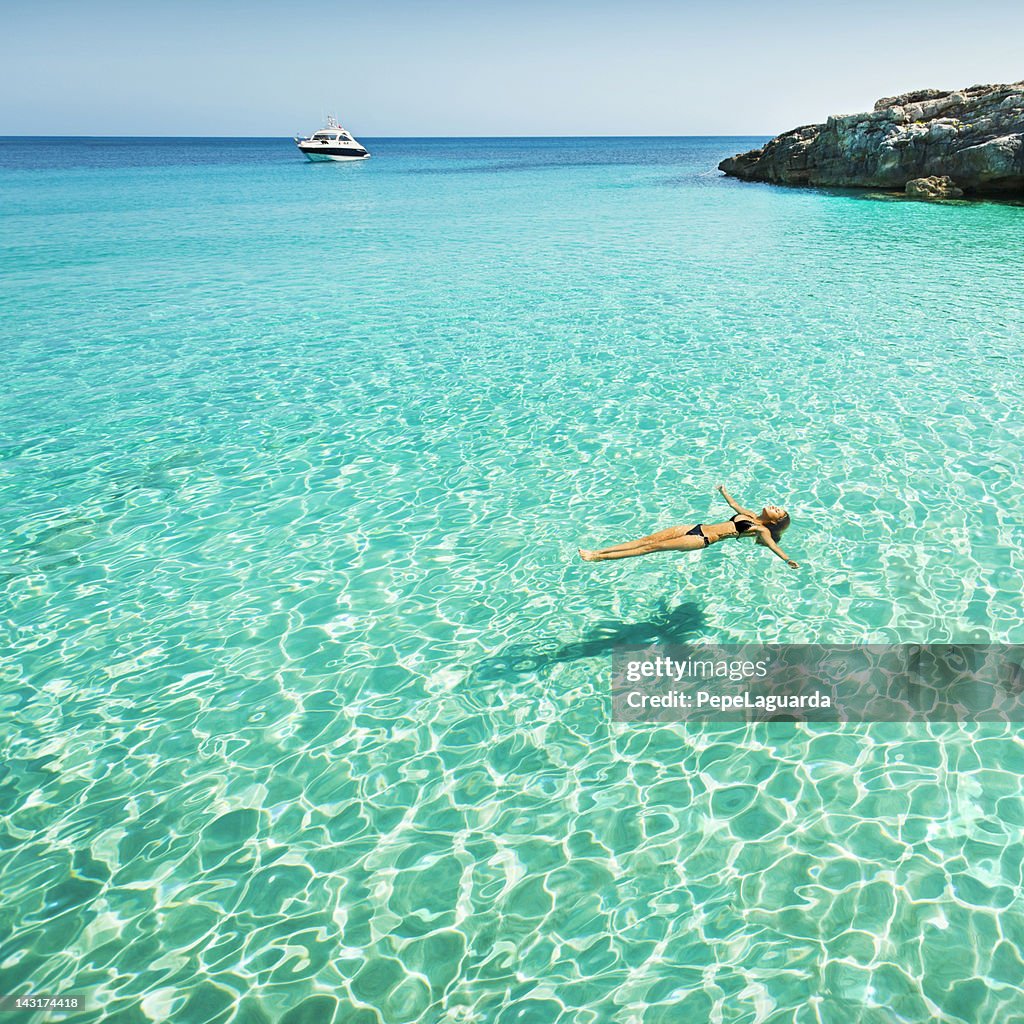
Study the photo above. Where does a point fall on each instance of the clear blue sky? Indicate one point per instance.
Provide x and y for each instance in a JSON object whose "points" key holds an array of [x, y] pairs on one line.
{"points": [[455, 67]]}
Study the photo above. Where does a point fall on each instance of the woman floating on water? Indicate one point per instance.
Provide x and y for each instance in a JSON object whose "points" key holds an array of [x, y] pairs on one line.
{"points": [[767, 526]]}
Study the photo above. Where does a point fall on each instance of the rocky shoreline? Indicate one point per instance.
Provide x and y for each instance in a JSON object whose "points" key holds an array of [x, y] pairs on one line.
{"points": [[930, 143]]}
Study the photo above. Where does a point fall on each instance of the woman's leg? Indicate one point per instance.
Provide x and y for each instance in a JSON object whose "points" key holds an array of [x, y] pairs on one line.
{"points": [[675, 538]]}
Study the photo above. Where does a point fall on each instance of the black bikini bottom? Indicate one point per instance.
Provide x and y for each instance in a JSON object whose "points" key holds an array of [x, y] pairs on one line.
{"points": [[698, 531]]}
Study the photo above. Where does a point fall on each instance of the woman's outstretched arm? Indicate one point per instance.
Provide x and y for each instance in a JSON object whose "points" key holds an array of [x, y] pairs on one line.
{"points": [[768, 542], [735, 507]]}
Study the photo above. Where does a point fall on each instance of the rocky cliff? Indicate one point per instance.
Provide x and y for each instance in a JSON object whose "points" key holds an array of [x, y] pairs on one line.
{"points": [[970, 141]]}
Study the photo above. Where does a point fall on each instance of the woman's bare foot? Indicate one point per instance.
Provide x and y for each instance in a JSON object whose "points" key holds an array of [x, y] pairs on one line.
{"points": [[589, 556]]}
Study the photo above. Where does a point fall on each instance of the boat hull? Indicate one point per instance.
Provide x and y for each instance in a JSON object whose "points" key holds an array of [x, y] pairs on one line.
{"points": [[322, 154]]}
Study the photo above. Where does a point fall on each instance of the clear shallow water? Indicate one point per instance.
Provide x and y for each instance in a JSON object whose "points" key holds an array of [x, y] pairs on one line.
{"points": [[304, 701]]}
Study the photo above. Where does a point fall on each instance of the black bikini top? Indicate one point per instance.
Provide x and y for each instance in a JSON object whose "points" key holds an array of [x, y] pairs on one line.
{"points": [[741, 525]]}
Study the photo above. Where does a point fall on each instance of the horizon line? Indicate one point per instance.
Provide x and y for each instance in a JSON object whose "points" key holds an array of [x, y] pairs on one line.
{"points": [[64, 137]]}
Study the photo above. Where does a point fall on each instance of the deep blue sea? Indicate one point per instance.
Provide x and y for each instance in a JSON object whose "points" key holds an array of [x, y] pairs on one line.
{"points": [[304, 693]]}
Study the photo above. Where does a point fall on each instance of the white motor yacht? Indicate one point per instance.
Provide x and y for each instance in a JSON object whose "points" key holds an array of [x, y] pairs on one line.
{"points": [[332, 143]]}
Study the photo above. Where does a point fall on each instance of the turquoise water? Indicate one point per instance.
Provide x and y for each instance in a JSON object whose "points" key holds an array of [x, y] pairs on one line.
{"points": [[305, 710]]}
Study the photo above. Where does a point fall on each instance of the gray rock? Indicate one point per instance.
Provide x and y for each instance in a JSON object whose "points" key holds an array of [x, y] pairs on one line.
{"points": [[935, 187], [974, 136]]}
